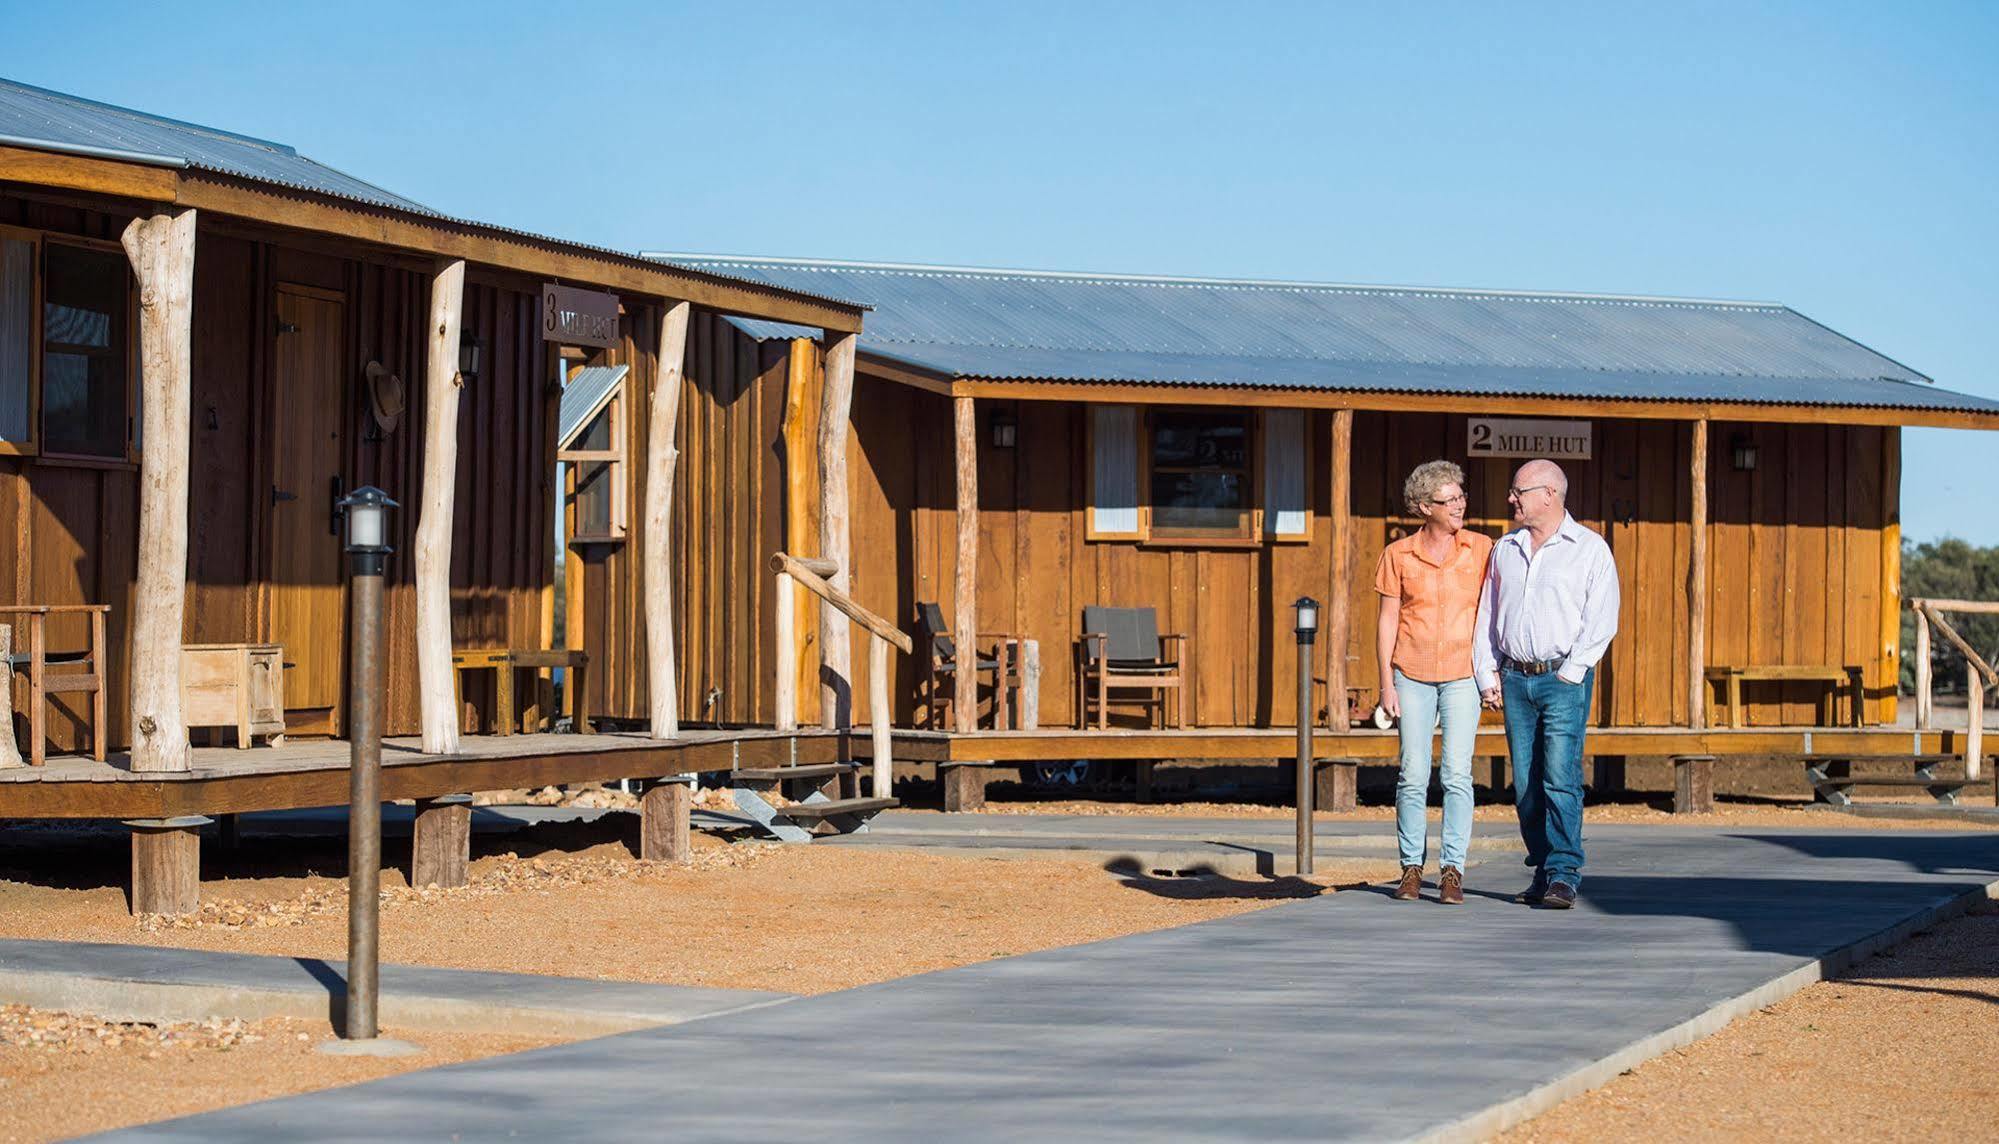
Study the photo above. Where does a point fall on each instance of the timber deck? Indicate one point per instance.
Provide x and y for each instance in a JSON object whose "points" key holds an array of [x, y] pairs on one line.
{"points": [[302, 773]]}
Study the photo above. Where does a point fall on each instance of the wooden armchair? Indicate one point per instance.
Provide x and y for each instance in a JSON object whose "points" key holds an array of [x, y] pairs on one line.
{"points": [[1122, 648], [43, 683], [940, 664]]}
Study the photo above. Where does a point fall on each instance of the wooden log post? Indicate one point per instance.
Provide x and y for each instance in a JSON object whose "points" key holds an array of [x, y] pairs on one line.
{"points": [[878, 716], [1338, 623], [964, 786], [965, 605], [10, 752], [436, 695], [1693, 784], [1925, 685], [665, 822], [441, 842], [1887, 708], [836, 693], [784, 631], [161, 250], [1028, 717], [1974, 727], [166, 864], [662, 683], [1697, 526], [1336, 788]]}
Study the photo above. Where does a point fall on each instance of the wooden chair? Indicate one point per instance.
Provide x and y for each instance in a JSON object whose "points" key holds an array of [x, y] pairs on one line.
{"points": [[43, 683], [940, 666], [1122, 648]]}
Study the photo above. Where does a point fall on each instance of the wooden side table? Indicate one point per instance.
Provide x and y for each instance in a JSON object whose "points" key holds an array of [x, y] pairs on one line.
{"points": [[238, 685], [504, 662]]}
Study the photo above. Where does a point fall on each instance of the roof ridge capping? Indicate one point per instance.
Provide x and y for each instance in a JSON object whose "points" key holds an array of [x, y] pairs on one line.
{"points": [[1195, 281], [199, 128]]}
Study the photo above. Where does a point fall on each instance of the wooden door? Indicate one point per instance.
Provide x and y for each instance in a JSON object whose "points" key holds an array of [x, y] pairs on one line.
{"points": [[308, 449]]}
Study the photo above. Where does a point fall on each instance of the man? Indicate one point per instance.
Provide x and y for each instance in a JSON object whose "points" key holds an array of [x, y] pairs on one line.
{"points": [[1547, 613]]}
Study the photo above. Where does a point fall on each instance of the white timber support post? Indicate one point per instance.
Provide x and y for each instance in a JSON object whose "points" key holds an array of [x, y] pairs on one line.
{"points": [[1338, 621], [836, 653], [161, 250], [785, 633], [1697, 581], [662, 685], [442, 383], [10, 754], [878, 715], [1925, 708], [965, 609], [1974, 728]]}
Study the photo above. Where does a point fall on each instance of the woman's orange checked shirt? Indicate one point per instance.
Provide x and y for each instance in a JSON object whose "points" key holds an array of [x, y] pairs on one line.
{"points": [[1439, 604]]}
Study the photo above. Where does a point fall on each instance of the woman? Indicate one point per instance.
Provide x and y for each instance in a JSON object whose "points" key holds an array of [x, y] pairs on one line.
{"points": [[1429, 583]]}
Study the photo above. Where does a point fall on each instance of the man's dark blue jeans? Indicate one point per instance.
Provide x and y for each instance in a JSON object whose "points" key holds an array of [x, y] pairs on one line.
{"points": [[1545, 721]]}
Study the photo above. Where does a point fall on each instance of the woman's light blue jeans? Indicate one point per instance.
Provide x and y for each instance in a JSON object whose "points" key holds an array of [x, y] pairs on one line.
{"points": [[1455, 704]]}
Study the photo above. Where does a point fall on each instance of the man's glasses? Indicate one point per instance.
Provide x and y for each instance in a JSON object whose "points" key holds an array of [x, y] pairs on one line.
{"points": [[1516, 494]]}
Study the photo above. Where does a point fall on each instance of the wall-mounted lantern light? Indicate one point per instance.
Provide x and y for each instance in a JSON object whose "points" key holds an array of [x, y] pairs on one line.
{"points": [[468, 354], [1742, 452], [1004, 429]]}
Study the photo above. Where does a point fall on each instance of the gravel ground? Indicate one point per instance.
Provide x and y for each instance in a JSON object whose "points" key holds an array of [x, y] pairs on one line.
{"points": [[63, 1075], [1900, 1048]]}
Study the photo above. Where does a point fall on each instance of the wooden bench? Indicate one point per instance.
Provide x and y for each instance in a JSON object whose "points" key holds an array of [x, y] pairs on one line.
{"points": [[504, 662], [1833, 780], [1731, 678], [87, 676]]}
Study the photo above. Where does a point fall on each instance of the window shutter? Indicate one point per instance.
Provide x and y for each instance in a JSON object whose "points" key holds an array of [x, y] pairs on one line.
{"points": [[17, 336], [1114, 502], [1287, 509]]}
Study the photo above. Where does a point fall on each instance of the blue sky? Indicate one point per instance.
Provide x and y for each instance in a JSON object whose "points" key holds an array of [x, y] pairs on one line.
{"points": [[1835, 157]]}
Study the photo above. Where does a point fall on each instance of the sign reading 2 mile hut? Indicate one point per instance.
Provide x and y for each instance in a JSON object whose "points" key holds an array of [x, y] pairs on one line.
{"points": [[578, 317], [1517, 437]]}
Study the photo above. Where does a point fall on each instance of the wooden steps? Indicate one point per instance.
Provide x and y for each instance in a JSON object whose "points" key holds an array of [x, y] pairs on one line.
{"points": [[1833, 780], [809, 806]]}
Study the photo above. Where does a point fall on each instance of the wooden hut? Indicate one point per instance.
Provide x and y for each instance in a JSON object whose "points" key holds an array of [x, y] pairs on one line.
{"points": [[1020, 447], [205, 340]]}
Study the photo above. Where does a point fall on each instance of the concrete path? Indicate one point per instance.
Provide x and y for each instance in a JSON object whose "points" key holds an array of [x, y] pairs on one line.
{"points": [[146, 983], [1340, 1017], [1152, 844]]}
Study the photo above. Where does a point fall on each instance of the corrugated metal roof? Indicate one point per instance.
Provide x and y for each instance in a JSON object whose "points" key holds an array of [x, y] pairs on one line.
{"points": [[39, 115], [52, 120], [587, 392], [1040, 325]]}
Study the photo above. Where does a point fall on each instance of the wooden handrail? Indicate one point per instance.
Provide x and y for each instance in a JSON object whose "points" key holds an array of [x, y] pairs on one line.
{"points": [[812, 573], [1978, 674], [801, 572]]}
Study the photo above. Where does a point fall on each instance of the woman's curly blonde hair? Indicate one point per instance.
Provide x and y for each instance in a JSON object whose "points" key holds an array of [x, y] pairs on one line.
{"points": [[1422, 485]]}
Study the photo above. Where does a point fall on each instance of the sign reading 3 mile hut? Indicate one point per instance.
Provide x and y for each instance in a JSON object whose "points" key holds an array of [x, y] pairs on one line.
{"points": [[1518, 437], [578, 317]]}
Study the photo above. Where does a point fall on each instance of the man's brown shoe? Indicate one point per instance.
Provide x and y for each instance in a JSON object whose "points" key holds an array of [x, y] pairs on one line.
{"points": [[1411, 886], [1451, 887]]}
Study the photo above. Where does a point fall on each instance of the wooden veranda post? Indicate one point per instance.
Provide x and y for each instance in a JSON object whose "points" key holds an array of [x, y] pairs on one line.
{"points": [[1338, 623], [1925, 711], [662, 686], [435, 693], [1697, 581], [161, 250], [836, 654], [965, 608]]}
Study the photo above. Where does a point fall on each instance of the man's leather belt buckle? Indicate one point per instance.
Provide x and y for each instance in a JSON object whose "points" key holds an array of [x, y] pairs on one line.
{"points": [[1541, 667]]}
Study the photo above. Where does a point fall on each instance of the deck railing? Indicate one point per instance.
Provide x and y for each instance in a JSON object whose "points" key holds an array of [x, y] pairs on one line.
{"points": [[1978, 674], [812, 574]]}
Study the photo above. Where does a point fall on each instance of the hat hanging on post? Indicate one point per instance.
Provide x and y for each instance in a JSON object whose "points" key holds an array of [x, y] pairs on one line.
{"points": [[387, 399]]}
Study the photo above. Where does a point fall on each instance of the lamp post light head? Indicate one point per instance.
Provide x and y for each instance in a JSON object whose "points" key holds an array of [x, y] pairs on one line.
{"points": [[367, 511], [1308, 617], [468, 354]]}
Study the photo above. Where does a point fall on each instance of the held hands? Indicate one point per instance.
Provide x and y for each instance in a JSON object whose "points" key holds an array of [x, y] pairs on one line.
{"points": [[1489, 699]]}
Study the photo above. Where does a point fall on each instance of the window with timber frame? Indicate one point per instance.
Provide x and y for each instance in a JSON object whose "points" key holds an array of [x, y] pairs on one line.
{"points": [[68, 353], [595, 457], [1200, 476]]}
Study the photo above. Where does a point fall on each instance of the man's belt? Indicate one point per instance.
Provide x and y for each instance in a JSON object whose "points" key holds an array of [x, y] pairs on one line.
{"points": [[1533, 667]]}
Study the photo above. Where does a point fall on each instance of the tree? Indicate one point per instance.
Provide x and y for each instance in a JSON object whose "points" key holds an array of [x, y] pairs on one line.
{"points": [[1949, 569]]}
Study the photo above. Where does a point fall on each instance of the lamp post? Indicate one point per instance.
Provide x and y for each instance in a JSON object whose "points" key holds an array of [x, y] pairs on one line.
{"points": [[366, 510], [1307, 629]]}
